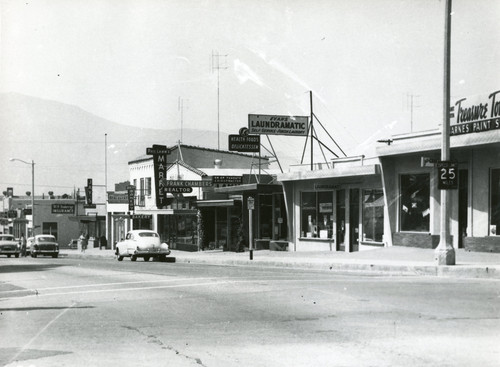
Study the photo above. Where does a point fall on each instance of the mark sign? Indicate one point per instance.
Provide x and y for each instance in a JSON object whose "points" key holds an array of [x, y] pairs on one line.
{"points": [[448, 175]]}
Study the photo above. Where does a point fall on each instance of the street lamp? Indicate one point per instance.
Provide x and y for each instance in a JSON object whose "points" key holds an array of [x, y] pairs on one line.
{"points": [[32, 189]]}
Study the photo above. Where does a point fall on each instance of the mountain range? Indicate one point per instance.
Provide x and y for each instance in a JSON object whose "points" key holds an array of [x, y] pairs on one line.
{"points": [[70, 145]]}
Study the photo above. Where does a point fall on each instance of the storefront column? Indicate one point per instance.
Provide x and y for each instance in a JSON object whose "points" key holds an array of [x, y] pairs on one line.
{"points": [[347, 235]]}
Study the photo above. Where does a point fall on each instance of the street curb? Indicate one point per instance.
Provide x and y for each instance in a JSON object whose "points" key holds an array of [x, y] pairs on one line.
{"points": [[454, 271]]}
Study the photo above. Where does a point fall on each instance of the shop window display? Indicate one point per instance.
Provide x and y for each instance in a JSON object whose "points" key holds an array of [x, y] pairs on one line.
{"points": [[495, 202], [373, 215], [317, 214], [414, 202]]}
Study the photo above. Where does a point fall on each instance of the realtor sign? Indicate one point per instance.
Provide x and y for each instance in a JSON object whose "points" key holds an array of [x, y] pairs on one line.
{"points": [[475, 114], [278, 125]]}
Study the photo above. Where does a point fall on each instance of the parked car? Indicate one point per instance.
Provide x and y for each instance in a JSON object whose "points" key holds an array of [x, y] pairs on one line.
{"points": [[9, 245], [29, 244], [142, 243], [45, 244]]}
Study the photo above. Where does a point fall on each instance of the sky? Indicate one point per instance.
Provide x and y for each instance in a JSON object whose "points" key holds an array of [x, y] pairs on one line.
{"points": [[374, 67]]}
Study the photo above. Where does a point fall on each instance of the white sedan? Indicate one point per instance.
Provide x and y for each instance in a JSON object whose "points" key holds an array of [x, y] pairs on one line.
{"points": [[142, 243]]}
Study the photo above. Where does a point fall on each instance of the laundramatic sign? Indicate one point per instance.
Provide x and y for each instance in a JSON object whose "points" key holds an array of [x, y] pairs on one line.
{"points": [[159, 153], [448, 175], [244, 143], [63, 209], [475, 114], [227, 180], [278, 125]]}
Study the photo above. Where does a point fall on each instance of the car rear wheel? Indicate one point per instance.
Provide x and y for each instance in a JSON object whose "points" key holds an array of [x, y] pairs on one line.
{"points": [[119, 258], [55, 256], [133, 258], [17, 255], [146, 258], [8, 256], [33, 255]]}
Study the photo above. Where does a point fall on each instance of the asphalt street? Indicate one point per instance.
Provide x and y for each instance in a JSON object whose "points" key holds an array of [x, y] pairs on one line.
{"points": [[100, 312]]}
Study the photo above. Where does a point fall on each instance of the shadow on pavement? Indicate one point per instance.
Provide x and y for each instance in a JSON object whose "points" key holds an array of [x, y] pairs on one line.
{"points": [[27, 267]]}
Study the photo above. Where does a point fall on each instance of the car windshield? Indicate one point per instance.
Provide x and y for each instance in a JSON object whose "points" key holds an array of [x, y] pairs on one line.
{"points": [[148, 234], [46, 239], [6, 238]]}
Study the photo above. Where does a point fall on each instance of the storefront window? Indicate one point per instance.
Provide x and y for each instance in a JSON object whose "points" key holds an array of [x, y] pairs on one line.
{"points": [[495, 202], [317, 214], [373, 215], [414, 206]]}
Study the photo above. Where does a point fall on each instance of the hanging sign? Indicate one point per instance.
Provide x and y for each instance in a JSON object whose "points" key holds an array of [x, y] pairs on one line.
{"points": [[278, 125], [88, 192], [159, 153], [131, 198]]}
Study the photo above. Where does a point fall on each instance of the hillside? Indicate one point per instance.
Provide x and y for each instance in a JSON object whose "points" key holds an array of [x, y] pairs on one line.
{"points": [[68, 145]]}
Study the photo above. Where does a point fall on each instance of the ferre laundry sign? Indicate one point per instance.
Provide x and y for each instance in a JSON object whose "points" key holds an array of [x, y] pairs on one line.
{"points": [[159, 153], [475, 114], [278, 125]]}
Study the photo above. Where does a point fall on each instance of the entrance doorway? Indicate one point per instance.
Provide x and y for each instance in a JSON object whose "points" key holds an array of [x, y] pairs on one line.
{"points": [[340, 208], [463, 203]]}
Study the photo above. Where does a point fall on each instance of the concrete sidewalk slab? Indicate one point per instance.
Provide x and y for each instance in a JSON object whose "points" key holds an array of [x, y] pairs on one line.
{"points": [[390, 261]]}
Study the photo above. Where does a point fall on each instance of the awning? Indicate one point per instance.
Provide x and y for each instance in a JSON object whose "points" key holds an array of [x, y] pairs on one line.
{"points": [[215, 203], [83, 218]]}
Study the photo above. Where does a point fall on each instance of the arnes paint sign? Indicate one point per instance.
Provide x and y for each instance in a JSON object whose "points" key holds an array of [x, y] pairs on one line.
{"points": [[475, 114]]}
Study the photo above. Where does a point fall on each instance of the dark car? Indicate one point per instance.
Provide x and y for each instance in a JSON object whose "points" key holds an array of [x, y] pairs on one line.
{"points": [[9, 245], [45, 244]]}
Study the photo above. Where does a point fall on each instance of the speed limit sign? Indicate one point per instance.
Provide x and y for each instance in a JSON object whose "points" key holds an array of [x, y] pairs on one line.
{"points": [[448, 175]]}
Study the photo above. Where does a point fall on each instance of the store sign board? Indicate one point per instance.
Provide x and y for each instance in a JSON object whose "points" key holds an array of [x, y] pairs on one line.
{"points": [[160, 153], [246, 144], [178, 190], [117, 198], [278, 125], [448, 175], [227, 180], [475, 114], [186, 183], [62, 209], [131, 198]]}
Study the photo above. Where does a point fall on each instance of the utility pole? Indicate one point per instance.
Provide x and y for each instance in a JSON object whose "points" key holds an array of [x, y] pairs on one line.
{"points": [[444, 253], [217, 66], [180, 107]]}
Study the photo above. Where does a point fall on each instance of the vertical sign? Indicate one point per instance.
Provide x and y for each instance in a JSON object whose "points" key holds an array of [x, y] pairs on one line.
{"points": [[88, 191], [159, 153], [131, 198]]}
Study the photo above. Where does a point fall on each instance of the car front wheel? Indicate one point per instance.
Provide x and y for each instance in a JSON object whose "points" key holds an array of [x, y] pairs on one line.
{"points": [[133, 258], [120, 258]]}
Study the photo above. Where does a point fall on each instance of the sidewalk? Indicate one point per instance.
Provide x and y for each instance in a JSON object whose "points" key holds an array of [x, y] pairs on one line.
{"points": [[390, 260]]}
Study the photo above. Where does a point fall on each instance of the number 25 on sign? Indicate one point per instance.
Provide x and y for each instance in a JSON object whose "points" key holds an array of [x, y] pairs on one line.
{"points": [[448, 175]]}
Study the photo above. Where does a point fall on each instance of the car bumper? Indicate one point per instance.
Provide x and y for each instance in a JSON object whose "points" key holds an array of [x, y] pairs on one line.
{"points": [[9, 252], [152, 252], [44, 252]]}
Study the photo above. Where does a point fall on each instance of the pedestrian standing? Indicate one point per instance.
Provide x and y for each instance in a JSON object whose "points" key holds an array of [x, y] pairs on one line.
{"points": [[23, 245]]}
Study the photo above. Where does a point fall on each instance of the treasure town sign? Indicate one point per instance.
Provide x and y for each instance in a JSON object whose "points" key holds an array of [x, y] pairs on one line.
{"points": [[475, 114]]}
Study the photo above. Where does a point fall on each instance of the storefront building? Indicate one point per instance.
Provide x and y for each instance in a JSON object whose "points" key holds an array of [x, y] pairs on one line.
{"points": [[339, 208], [203, 218], [411, 181], [52, 216]]}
